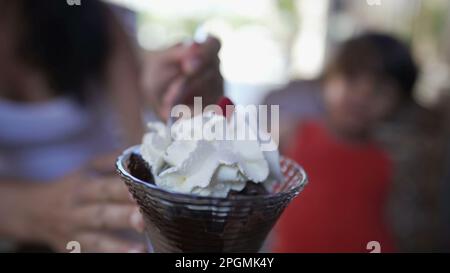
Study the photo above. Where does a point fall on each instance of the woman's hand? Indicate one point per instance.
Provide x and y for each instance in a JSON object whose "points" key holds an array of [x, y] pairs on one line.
{"points": [[178, 74], [88, 206]]}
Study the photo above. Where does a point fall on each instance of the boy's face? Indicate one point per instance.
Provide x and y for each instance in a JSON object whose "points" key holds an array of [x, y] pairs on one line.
{"points": [[356, 104]]}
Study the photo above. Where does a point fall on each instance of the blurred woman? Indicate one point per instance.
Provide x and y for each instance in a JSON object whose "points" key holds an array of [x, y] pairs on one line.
{"points": [[72, 91]]}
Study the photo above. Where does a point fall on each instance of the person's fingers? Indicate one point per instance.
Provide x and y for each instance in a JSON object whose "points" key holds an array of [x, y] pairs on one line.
{"points": [[169, 70], [170, 98], [108, 216], [193, 60], [208, 85], [156, 93], [193, 55], [160, 70], [164, 63], [102, 242], [199, 56], [211, 47], [174, 54], [104, 189]]}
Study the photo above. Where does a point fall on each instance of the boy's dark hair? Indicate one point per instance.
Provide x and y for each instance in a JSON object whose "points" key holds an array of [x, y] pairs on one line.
{"points": [[377, 54], [69, 44]]}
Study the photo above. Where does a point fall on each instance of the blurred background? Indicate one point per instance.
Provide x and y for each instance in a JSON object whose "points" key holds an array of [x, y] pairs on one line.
{"points": [[266, 43], [273, 52]]}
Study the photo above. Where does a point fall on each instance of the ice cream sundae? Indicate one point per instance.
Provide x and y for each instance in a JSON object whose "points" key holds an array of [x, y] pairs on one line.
{"points": [[206, 190]]}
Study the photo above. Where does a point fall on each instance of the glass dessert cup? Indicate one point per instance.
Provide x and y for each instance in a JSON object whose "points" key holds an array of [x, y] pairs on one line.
{"points": [[176, 222]]}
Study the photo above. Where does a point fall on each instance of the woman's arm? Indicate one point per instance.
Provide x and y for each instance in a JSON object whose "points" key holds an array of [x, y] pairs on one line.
{"points": [[86, 206]]}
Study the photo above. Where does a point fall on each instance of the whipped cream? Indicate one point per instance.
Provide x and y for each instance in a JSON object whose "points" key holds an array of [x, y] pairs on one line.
{"points": [[205, 164]]}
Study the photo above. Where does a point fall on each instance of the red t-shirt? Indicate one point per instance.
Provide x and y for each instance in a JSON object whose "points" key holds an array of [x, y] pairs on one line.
{"points": [[343, 206]]}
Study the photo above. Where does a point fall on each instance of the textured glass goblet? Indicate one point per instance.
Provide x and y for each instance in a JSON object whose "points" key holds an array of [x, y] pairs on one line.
{"points": [[176, 222]]}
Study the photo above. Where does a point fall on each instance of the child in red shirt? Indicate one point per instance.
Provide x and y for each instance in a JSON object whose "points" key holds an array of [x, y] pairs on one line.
{"points": [[342, 209]]}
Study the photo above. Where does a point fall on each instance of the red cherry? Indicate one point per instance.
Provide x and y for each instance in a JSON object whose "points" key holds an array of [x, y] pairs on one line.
{"points": [[223, 102]]}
